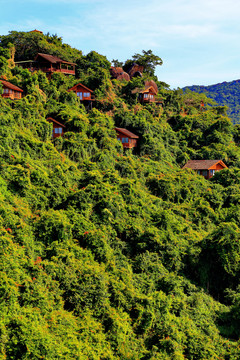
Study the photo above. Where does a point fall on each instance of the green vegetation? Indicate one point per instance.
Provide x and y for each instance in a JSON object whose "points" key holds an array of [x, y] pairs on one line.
{"points": [[225, 94], [111, 254]]}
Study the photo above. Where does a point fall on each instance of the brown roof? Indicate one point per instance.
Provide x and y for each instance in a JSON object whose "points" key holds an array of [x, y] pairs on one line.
{"points": [[55, 121], [52, 59], [149, 83], [38, 31], [79, 84], [203, 164], [143, 91], [126, 132], [10, 86], [147, 90]]}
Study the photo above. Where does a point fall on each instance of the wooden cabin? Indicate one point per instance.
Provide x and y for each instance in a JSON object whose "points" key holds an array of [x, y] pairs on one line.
{"points": [[48, 64], [147, 95], [206, 168], [84, 94], [11, 91], [127, 138], [58, 128]]}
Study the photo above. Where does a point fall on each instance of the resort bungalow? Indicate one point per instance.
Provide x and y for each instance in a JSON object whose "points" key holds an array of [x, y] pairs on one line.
{"points": [[127, 138], [11, 91], [48, 64], [147, 95], [206, 168], [58, 128], [83, 93]]}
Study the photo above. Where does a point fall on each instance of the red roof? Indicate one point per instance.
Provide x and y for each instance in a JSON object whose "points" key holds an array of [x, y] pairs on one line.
{"points": [[52, 59], [203, 164], [79, 84], [10, 86], [127, 133], [55, 121], [38, 31]]}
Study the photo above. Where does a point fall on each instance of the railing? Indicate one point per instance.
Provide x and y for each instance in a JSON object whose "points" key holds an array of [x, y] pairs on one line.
{"points": [[36, 67], [66, 71], [11, 96]]}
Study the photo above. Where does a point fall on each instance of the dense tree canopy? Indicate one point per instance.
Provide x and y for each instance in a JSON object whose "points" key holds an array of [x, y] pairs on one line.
{"points": [[109, 253], [225, 94]]}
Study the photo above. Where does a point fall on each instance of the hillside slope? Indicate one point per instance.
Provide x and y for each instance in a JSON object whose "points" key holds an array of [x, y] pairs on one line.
{"points": [[108, 253], [225, 94]]}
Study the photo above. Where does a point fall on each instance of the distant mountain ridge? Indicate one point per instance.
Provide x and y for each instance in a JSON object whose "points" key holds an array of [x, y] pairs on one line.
{"points": [[225, 93]]}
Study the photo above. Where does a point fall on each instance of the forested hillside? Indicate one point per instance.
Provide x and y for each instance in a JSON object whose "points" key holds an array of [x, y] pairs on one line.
{"points": [[225, 94], [109, 253]]}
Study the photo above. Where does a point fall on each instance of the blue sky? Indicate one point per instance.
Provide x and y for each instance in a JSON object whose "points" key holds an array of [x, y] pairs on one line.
{"points": [[198, 41]]}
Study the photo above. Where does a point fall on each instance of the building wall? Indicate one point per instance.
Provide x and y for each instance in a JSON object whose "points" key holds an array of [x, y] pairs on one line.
{"points": [[208, 174], [126, 141], [11, 94], [86, 95]]}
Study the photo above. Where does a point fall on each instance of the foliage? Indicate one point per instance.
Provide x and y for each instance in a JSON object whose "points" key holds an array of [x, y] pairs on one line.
{"points": [[109, 253], [28, 44], [225, 94], [147, 59]]}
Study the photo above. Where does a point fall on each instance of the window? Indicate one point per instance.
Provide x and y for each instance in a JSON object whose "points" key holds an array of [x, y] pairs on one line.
{"points": [[58, 130], [86, 94], [5, 91], [124, 140], [145, 96], [204, 173], [80, 95], [212, 172]]}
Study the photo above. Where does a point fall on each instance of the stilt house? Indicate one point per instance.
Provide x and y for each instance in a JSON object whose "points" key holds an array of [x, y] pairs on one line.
{"points": [[127, 138], [48, 64], [11, 91], [84, 94], [58, 128]]}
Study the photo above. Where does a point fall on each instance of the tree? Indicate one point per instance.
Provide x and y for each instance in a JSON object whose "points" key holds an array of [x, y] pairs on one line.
{"points": [[146, 59], [28, 44], [4, 56], [117, 63], [93, 61]]}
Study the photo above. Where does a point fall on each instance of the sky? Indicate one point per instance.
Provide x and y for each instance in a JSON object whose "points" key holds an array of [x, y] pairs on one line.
{"points": [[198, 41]]}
